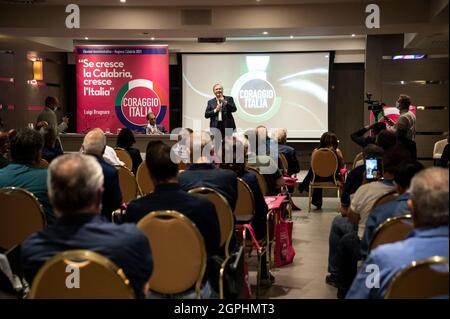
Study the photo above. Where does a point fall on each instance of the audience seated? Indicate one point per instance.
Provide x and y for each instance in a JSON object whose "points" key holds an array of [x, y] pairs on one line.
{"points": [[125, 140], [202, 172], [75, 191], [356, 176], [428, 204], [94, 144], [168, 195], [181, 149], [288, 151], [50, 152], [263, 155], [347, 230], [398, 207], [4, 146], [327, 140], [25, 150]]}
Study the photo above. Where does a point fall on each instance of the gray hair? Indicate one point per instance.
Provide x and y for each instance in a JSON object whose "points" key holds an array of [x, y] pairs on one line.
{"points": [[73, 182], [429, 196], [94, 142]]}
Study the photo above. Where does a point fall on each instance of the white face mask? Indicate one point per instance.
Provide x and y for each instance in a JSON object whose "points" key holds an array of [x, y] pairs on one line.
{"points": [[397, 105]]}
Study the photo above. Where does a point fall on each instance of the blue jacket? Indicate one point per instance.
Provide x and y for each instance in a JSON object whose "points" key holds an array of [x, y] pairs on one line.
{"points": [[124, 245], [421, 243]]}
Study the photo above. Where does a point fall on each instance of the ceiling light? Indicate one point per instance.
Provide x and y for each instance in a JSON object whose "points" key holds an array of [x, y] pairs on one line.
{"points": [[123, 1], [353, 35], [265, 32], [152, 38], [291, 37], [86, 38]]}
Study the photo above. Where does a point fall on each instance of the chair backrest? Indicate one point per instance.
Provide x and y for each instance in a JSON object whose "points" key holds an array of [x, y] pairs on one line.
{"points": [[21, 215], [422, 279], [392, 230], [439, 148], [283, 161], [224, 213], [359, 157], [182, 166], [324, 162], [261, 180], [80, 274], [125, 157], [245, 204], [43, 163], [128, 185], [143, 179], [178, 252], [386, 198]]}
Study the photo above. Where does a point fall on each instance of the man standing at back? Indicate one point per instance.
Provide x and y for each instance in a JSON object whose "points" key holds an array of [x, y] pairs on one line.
{"points": [[75, 185], [219, 110], [47, 118]]}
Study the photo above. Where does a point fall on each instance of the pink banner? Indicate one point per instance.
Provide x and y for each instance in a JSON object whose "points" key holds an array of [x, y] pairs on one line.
{"points": [[117, 86]]}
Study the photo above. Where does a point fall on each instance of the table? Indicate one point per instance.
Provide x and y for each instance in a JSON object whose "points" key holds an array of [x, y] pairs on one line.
{"points": [[72, 141]]}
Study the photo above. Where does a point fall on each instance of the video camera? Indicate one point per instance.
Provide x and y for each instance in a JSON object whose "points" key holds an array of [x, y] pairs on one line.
{"points": [[375, 106]]}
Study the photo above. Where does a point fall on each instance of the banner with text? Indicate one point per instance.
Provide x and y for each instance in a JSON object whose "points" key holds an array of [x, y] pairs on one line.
{"points": [[118, 86]]}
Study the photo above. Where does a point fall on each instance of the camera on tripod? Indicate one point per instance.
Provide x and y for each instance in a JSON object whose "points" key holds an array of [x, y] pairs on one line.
{"points": [[373, 105]]}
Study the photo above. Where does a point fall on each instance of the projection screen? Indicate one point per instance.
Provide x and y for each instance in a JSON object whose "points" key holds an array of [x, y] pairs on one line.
{"points": [[278, 90]]}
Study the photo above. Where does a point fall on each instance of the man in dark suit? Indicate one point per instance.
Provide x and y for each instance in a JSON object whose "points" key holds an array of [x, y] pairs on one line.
{"points": [[75, 187], [203, 173], [219, 110], [94, 143]]}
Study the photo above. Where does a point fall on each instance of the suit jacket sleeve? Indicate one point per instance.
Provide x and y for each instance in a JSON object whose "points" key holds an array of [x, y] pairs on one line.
{"points": [[231, 107], [210, 109]]}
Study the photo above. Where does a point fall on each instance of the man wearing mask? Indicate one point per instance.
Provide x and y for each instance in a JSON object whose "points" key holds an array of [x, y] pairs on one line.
{"points": [[407, 120]]}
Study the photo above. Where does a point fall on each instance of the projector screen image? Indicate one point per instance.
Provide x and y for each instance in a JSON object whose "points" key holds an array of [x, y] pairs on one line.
{"points": [[278, 90]]}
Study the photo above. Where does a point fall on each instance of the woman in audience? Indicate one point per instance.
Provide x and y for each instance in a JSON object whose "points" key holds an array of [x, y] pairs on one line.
{"points": [[327, 140], [125, 140], [50, 152]]}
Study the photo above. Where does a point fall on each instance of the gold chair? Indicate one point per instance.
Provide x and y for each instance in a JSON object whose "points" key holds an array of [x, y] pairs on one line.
{"points": [[386, 198], [178, 251], [43, 163], [21, 215], [125, 157], [128, 185], [357, 160], [392, 230], [427, 278], [261, 180], [224, 214], [283, 161], [245, 204], [143, 179], [438, 149], [80, 274], [324, 163]]}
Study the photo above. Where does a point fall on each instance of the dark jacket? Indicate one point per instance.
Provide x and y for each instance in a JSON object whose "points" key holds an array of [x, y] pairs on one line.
{"points": [[124, 245], [227, 110]]}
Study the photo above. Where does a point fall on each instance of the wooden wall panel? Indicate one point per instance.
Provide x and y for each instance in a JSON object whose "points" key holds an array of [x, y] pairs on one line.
{"points": [[426, 95], [432, 120], [412, 70]]}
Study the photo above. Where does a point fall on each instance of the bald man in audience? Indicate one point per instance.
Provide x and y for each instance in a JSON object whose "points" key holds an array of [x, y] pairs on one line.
{"points": [[94, 144], [75, 184], [428, 204]]}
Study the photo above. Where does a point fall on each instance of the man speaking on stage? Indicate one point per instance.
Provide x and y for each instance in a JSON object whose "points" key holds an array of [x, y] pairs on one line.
{"points": [[220, 109]]}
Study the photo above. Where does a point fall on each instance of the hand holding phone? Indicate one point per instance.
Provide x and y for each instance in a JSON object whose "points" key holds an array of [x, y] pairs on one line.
{"points": [[372, 169]]}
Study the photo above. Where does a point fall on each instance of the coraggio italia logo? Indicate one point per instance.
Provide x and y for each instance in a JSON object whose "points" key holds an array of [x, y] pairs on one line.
{"points": [[257, 99], [137, 98]]}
